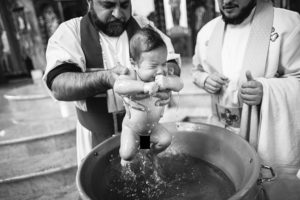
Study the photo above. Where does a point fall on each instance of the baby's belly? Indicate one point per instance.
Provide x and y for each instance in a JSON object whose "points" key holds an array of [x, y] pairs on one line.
{"points": [[145, 121]]}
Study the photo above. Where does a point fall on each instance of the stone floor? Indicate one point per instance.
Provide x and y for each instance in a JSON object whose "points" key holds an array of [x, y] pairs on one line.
{"points": [[19, 121], [37, 145]]}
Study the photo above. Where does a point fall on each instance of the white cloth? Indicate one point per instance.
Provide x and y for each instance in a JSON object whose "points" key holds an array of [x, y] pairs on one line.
{"points": [[279, 138], [83, 141], [115, 50], [64, 46], [283, 58]]}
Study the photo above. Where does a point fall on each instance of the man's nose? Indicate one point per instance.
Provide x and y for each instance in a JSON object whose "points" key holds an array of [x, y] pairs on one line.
{"points": [[117, 12]]}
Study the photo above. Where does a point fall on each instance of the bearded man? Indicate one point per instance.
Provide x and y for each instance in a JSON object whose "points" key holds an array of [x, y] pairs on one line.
{"points": [[248, 59], [84, 57]]}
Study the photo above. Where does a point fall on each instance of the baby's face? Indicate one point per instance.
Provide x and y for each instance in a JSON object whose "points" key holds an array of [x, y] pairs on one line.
{"points": [[152, 63]]}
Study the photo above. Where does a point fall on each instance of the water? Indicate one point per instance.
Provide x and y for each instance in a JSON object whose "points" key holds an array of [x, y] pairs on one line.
{"points": [[170, 177]]}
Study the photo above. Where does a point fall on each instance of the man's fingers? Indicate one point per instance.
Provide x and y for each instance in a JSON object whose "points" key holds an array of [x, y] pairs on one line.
{"points": [[164, 98], [251, 84], [120, 70], [212, 83], [212, 89], [250, 91], [248, 97], [249, 76], [251, 99], [163, 95], [212, 86], [162, 102], [219, 80], [124, 71], [224, 78]]}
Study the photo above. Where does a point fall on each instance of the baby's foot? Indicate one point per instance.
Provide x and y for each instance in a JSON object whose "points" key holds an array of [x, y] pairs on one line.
{"points": [[126, 171], [125, 163]]}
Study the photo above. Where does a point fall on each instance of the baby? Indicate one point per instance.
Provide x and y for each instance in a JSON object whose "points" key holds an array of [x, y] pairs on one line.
{"points": [[148, 76]]}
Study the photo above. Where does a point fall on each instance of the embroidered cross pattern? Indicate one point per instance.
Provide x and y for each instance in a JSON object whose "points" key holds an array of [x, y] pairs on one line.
{"points": [[274, 35], [228, 117]]}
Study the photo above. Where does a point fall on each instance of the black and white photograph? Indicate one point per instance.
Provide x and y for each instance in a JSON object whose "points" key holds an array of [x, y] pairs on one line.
{"points": [[150, 100]]}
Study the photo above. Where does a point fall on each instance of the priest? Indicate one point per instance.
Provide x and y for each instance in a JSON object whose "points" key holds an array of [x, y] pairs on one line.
{"points": [[248, 59]]}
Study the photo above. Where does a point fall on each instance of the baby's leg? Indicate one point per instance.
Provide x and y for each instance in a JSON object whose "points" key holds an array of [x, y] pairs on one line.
{"points": [[128, 144], [161, 139]]}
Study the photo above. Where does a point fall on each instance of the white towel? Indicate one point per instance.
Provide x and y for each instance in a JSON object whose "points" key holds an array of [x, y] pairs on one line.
{"points": [[279, 129]]}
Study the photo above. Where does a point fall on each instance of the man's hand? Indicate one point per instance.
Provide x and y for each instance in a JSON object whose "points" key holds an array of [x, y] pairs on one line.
{"points": [[120, 69], [115, 72], [214, 83], [164, 98], [151, 88], [251, 92]]}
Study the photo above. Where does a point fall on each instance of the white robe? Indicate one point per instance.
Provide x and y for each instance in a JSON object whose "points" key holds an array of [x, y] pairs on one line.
{"points": [[278, 144]]}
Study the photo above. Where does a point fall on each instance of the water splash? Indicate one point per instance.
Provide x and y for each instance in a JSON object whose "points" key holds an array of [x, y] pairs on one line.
{"points": [[177, 106], [168, 177]]}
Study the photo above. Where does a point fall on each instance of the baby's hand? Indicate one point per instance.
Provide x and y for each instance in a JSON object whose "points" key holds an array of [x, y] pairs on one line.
{"points": [[162, 82], [151, 88]]}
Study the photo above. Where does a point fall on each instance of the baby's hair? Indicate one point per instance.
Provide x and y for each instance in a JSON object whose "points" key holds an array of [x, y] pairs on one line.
{"points": [[145, 40]]}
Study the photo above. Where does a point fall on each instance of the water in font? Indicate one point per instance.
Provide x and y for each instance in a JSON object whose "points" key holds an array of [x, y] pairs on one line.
{"points": [[167, 177]]}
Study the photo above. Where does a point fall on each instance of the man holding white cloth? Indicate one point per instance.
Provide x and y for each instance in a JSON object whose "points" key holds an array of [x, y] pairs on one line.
{"points": [[249, 60]]}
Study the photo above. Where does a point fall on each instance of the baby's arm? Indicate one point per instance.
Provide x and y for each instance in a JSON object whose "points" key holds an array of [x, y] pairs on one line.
{"points": [[127, 85], [170, 82]]}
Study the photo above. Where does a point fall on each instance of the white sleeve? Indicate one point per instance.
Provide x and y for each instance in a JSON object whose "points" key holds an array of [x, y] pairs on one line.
{"points": [[198, 73], [64, 47], [290, 54]]}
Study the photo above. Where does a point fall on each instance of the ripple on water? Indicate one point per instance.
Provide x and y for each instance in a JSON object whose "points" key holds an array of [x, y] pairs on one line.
{"points": [[170, 177]]}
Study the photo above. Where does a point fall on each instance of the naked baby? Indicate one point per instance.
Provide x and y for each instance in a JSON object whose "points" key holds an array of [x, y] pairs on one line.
{"points": [[148, 76]]}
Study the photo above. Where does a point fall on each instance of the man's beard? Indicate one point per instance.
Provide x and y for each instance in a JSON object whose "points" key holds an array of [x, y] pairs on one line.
{"points": [[245, 12], [113, 28]]}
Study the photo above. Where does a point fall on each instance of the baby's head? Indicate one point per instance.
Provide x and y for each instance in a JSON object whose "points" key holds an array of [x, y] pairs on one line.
{"points": [[149, 53]]}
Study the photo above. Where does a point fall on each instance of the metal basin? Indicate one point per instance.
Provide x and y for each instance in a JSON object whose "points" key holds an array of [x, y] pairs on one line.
{"points": [[219, 147]]}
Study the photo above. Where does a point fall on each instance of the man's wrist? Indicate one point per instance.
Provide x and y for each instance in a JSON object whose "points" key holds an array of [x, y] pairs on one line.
{"points": [[106, 79], [200, 78]]}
